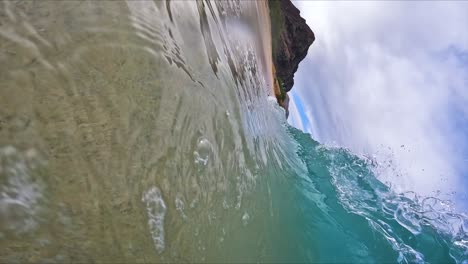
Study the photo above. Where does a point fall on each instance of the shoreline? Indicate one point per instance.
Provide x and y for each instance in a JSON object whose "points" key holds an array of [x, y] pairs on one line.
{"points": [[287, 45], [268, 66]]}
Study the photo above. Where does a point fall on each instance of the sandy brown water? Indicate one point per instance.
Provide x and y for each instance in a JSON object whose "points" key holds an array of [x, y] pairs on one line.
{"points": [[125, 131]]}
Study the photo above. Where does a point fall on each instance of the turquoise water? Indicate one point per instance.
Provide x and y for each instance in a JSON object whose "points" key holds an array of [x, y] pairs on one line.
{"points": [[365, 219], [142, 131]]}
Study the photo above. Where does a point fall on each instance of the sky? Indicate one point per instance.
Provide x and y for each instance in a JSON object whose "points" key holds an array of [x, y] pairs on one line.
{"points": [[389, 80]]}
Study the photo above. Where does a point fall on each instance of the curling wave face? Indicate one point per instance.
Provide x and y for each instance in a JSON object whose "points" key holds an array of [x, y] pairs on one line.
{"points": [[141, 131]]}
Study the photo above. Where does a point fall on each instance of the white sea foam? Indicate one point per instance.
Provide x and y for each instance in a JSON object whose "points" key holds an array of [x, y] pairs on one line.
{"points": [[156, 210], [20, 195]]}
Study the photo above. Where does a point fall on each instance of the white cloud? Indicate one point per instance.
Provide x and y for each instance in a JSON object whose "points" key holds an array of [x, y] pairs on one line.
{"points": [[384, 74]]}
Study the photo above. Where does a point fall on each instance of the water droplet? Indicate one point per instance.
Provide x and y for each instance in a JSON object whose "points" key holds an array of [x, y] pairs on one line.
{"points": [[203, 152]]}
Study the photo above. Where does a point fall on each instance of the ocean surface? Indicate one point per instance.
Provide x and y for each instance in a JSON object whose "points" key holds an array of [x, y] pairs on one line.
{"points": [[142, 131]]}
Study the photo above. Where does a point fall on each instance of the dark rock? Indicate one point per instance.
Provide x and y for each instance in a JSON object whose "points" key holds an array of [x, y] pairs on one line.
{"points": [[291, 42]]}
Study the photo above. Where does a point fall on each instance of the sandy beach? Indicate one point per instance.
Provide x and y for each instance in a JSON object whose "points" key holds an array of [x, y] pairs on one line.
{"points": [[268, 66]]}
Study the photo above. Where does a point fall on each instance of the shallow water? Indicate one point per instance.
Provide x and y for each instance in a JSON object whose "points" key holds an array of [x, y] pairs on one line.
{"points": [[142, 132]]}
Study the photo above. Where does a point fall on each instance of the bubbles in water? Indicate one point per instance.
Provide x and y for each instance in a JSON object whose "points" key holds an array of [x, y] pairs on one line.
{"points": [[459, 250], [156, 210], [245, 218], [408, 218], [203, 152], [194, 203], [180, 206], [223, 234], [225, 204], [211, 217], [406, 254], [20, 195], [239, 195], [43, 242]]}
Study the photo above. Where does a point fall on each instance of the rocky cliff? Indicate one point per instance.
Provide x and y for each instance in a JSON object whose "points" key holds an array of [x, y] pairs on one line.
{"points": [[291, 38]]}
